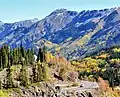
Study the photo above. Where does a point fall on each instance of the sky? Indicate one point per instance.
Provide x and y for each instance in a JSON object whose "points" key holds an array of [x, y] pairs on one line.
{"points": [[17, 10]]}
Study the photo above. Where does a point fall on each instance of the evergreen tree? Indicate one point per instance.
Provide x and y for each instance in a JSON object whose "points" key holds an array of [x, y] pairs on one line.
{"points": [[31, 58], [6, 48], [26, 60], [22, 50], [15, 56], [40, 56], [40, 72], [11, 58], [23, 75], [4, 58], [44, 52], [32, 55], [34, 72], [45, 72]]}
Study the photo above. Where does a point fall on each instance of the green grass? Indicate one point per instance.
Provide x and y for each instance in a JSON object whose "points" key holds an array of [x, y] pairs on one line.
{"points": [[16, 67], [3, 93]]}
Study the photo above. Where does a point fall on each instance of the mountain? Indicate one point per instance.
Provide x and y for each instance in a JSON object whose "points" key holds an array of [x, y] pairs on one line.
{"points": [[68, 33]]}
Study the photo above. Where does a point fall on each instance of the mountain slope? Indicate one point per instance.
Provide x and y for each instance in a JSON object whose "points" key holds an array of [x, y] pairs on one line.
{"points": [[68, 33]]}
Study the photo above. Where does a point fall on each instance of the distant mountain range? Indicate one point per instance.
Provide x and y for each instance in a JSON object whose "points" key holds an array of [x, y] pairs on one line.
{"points": [[68, 33]]}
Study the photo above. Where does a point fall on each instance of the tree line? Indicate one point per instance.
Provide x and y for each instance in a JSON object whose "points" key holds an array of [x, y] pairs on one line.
{"points": [[9, 57], [25, 58]]}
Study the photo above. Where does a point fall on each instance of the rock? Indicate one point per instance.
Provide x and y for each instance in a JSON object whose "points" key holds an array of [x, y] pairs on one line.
{"points": [[16, 84], [50, 90]]}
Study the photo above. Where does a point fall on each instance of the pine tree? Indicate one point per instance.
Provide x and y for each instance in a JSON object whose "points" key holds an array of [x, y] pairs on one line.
{"points": [[15, 56], [6, 48], [4, 58], [40, 72], [23, 52], [32, 55], [24, 76], [45, 72], [34, 73], [40, 56], [11, 58], [26, 60], [44, 53]]}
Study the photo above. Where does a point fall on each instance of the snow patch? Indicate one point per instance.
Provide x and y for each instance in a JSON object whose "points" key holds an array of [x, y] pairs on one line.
{"points": [[78, 24]]}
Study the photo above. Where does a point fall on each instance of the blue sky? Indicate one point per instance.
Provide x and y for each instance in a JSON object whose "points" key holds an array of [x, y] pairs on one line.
{"points": [[16, 10]]}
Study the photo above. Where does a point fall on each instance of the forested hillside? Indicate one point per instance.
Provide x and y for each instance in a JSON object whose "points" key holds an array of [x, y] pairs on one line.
{"points": [[22, 68], [105, 64]]}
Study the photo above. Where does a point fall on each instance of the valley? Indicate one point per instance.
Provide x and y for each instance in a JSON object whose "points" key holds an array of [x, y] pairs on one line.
{"points": [[65, 54]]}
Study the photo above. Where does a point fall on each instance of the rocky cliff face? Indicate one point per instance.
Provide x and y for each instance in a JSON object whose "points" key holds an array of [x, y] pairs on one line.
{"points": [[72, 34], [50, 90]]}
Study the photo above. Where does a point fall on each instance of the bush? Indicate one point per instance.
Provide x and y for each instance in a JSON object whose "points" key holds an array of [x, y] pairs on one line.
{"points": [[75, 84]]}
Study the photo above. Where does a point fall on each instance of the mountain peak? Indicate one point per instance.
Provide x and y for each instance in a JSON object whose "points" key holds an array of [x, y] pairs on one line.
{"points": [[60, 10], [57, 11], [77, 33], [35, 20]]}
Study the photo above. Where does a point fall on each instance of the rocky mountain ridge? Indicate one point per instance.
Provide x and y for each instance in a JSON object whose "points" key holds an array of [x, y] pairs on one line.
{"points": [[67, 33]]}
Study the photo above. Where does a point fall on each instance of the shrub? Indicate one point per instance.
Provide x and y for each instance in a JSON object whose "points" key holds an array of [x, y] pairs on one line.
{"points": [[75, 84]]}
